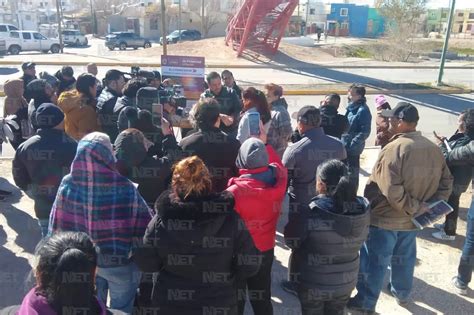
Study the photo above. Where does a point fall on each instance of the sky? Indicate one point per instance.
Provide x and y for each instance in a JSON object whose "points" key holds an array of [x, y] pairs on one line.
{"points": [[460, 4]]}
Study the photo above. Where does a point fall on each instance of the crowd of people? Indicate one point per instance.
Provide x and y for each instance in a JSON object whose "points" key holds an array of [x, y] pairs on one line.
{"points": [[130, 215]]}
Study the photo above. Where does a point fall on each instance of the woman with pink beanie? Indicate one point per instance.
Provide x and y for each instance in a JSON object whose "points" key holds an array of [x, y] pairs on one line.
{"points": [[382, 124]]}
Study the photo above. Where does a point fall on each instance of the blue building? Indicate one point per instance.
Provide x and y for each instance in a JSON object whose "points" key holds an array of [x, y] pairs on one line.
{"points": [[354, 20]]}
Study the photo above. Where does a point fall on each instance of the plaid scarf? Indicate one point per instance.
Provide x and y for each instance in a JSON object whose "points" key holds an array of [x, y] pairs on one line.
{"points": [[94, 198]]}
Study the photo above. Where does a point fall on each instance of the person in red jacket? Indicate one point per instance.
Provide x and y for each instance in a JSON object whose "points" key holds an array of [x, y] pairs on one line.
{"points": [[258, 194]]}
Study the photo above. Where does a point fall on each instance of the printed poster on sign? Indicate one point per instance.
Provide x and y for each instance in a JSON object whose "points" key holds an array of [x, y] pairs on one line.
{"points": [[186, 71]]}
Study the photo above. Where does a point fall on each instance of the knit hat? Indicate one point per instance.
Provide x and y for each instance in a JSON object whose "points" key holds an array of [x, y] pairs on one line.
{"points": [[48, 116], [380, 100], [252, 154]]}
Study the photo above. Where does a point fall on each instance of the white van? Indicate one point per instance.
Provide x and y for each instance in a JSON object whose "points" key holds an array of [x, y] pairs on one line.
{"points": [[5, 30]]}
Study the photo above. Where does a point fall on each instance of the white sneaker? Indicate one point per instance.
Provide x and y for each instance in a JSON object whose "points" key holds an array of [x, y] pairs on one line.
{"points": [[441, 235], [439, 226]]}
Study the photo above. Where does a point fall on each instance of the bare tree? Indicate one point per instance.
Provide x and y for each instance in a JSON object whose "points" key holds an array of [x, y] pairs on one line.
{"points": [[402, 24], [208, 16]]}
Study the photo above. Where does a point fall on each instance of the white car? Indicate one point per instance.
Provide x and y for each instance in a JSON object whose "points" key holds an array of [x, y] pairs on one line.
{"points": [[74, 37], [30, 41]]}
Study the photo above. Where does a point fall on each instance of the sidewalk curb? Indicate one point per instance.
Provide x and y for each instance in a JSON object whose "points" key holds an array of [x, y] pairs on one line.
{"points": [[223, 66], [369, 92]]}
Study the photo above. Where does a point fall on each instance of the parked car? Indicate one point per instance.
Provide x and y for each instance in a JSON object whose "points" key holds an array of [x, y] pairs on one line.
{"points": [[122, 40], [74, 37], [5, 30], [3, 47], [186, 35], [31, 41]]}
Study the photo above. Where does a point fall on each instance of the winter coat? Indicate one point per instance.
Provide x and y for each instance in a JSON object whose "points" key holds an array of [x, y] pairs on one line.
{"points": [[462, 155], [462, 173], [280, 131], [105, 111], [243, 130], [80, 118], [40, 164], [14, 100], [410, 170], [27, 79], [64, 85], [382, 126], [153, 176], [33, 105], [303, 158], [326, 244], [15, 104], [218, 151], [152, 132], [199, 247], [126, 111], [229, 104], [34, 303], [359, 117], [95, 199], [333, 124], [258, 203]]}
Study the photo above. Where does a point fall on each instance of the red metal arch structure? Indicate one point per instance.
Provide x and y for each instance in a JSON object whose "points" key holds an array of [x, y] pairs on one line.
{"points": [[259, 25]]}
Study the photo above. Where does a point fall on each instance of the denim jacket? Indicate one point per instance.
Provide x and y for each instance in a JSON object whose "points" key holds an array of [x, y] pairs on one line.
{"points": [[360, 119]]}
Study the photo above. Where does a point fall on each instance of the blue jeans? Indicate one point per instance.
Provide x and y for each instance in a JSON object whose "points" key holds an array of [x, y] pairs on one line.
{"points": [[466, 265], [384, 248], [43, 224], [122, 283]]}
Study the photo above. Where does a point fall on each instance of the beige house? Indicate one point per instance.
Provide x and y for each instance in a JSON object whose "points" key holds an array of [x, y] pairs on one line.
{"points": [[463, 22]]}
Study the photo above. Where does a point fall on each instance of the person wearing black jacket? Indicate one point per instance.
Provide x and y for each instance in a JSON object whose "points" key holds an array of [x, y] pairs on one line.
{"points": [[152, 132], [66, 79], [462, 174], [114, 82], [41, 162], [40, 92], [152, 175], [229, 81], [326, 237], [229, 104], [198, 244], [29, 74], [333, 123], [217, 149], [129, 99]]}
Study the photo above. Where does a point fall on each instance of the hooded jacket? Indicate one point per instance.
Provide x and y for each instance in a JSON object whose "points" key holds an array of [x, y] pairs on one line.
{"points": [[217, 150], [14, 100], [81, 118], [64, 85], [259, 203], [26, 78], [152, 175], [280, 131], [39, 165], [410, 170], [37, 93], [360, 119], [94, 198], [199, 247], [462, 173], [15, 104], [326, 245], [382, 126], [105, 110], [333, 124]]}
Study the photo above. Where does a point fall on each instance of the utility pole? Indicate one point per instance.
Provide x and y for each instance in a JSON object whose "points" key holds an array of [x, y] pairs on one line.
{"points": [[445, 46], [60, 18], [163, 27], [94, 22], [202, 18], [306, 22], [179, 19]]}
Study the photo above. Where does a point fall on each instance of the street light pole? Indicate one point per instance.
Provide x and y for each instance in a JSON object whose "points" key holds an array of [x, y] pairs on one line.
{"points": [[59, 16], [445, 46], [163, 27]]}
